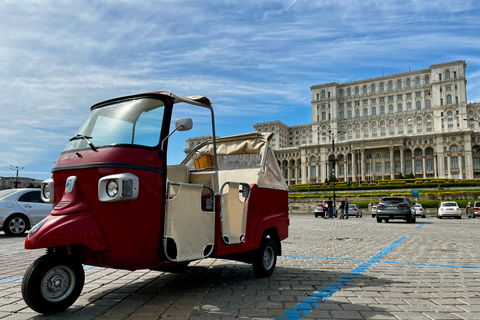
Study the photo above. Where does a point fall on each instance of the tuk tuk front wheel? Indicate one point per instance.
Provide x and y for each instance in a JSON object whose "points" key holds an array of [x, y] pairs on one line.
{"points": [[53, 283], [265, 258]]}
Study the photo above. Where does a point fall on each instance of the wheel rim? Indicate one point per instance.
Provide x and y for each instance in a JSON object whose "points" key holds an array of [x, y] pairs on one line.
{"points": [[17, 225], [268, 257], [58, 283]]}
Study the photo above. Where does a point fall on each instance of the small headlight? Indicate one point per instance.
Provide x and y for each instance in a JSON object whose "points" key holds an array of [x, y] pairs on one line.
{"points": [[46, 191], [112, 188]]}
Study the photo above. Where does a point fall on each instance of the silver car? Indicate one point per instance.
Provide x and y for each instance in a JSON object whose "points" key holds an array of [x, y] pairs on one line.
{"points": [[21, 209], [354, 210]]}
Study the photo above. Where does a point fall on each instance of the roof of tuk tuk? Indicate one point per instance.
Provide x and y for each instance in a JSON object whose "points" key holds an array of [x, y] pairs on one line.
{"points": [[195, 100]]}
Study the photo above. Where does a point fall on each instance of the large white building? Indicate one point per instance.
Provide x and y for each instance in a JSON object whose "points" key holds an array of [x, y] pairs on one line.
{"points": [[396, 125]]}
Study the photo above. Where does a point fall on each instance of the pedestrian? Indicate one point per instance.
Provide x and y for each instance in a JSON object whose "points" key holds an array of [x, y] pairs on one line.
{"points": [[342, 209], [467, 209], [330, 208], [325, 209], [345, 207]]}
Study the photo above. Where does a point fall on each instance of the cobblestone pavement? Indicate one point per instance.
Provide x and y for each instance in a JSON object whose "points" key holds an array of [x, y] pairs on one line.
{"points": [[331, 269]]}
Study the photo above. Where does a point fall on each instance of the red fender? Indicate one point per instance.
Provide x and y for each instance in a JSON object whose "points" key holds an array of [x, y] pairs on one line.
{"points": [[62, 230]]}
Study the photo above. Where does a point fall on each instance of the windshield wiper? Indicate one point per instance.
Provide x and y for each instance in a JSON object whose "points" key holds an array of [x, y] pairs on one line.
{"points": [[81, 136]]}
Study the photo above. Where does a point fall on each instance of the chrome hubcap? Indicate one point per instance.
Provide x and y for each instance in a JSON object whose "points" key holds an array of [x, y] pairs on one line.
{"points": [[17, 225]]}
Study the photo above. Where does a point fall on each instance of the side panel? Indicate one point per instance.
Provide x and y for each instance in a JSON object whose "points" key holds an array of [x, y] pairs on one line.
{"points": [[267, 208]]}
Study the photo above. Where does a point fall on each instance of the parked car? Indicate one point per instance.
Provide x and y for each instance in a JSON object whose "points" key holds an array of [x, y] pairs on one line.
{"points": [[319, 211], [21, 209], [390, 208], [420, 211], [374, 209], [476, 209], [354, 210], [449, 209]]}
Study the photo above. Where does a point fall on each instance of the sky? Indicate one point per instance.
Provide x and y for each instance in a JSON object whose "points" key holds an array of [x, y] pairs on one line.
{"points": [[255, 60]]}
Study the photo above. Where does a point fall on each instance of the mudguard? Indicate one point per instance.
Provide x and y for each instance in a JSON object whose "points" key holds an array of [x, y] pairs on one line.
{"points": [[62, 230]]}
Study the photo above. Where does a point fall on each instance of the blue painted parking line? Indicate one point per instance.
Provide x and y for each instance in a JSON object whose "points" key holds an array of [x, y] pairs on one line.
{"points": [[20, 278], [421, 225], [306, 306], [11, 250]]}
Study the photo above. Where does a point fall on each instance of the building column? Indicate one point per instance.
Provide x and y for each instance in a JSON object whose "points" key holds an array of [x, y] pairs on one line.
{"points": [[354, 166], [435, 173], [362, 162], [424, 163], [402, 160], [392, 164], [460, 166], [303, 167], [469, 164]]}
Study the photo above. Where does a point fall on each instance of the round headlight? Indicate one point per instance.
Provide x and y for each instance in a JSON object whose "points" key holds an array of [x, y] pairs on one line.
{"points": [[46, 191], [112, 188]]}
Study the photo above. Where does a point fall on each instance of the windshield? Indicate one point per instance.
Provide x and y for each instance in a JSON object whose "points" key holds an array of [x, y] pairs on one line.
{"points": [[450, 204], [136, 122]]}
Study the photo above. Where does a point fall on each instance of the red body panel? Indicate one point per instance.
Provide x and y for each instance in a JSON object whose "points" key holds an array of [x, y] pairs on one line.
{"points": [[266, 208]]}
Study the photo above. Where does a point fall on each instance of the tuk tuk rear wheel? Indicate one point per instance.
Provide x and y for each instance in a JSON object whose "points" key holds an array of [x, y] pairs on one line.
{"points": [[53, 283], [265, 258]]}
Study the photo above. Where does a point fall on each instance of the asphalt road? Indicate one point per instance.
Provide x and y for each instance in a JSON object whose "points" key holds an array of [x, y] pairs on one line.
{"points": [[331, 269]]}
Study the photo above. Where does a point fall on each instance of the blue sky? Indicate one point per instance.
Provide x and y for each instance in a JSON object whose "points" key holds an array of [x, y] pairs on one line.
{"points": [[256, 60]]}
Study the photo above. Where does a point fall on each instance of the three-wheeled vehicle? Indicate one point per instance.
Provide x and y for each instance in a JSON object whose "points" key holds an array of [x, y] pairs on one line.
{"points": [[117, 204]]}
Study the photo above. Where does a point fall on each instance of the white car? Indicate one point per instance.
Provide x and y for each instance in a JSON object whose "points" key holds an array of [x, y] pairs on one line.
{"points": [[21, 209], [449, 209], [420, 211]]}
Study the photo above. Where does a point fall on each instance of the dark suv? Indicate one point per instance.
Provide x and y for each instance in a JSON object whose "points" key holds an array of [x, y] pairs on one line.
{"points": [[390, 208]]}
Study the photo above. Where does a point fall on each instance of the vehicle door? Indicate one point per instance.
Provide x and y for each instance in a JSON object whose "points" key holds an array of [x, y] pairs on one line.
{"points": [[34, 206]]}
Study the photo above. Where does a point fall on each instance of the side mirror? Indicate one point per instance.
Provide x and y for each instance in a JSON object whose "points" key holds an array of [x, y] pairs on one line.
{"points": [[184, 124]]}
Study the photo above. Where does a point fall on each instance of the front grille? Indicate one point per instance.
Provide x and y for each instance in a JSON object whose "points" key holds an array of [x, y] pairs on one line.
{"points": [[61, 204]]}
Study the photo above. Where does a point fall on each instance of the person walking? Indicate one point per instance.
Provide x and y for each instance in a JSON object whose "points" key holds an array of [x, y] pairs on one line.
{"points": [[342, 209], [325, 209], [345, 207], [330, 208]]}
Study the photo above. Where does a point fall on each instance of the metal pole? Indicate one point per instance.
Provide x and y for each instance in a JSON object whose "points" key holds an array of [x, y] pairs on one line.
{"points": [[333, 172]]}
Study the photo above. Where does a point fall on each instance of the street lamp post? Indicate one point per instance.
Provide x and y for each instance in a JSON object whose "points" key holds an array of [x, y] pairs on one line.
{"points": [[16, 168], [333, 135]]}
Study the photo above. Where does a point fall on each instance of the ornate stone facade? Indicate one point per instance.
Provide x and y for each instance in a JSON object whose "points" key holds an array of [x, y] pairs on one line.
{"points": [[404, 124]]}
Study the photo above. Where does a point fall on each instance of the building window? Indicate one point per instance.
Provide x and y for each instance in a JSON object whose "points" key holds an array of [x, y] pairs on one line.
{"points": [[447, 74], [323, 94], [419, 105], [357, 91], [449, 99], [387, 166], [364, 90], [349, 114], [342, 115], [390, 109], [357, 113], [428, 104], [398, 166], [374, 111], [390, 86], [408, 166], [365, 112], [400, 107], [418, 166], [349, 92], [313, 171], [417, 82], [427, 80], [454, 161], [324, 116], [378, 167], [399, 84], [382, 87], [372, 89], [409, 106], [408, 84], [340, 93]]}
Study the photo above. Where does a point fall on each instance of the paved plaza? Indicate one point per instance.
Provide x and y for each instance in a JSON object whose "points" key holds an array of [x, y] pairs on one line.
{"points": [[330, 269]]}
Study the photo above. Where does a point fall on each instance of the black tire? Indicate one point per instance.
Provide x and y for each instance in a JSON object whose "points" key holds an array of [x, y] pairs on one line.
{"points": [[316, 215], [459, 217], [439, 217], [379, 220], [15, 225], [265, 258], [53, 283]]}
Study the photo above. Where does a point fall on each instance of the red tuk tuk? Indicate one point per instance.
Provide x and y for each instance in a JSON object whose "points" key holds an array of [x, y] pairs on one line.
{"points": [[117, 204]]}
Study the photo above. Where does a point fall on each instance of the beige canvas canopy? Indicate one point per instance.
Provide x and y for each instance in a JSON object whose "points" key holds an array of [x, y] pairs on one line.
{"points": [[251, 152]]}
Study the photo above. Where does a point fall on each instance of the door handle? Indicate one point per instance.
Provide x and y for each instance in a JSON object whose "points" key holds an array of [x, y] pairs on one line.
{"points": [[27, 206]]}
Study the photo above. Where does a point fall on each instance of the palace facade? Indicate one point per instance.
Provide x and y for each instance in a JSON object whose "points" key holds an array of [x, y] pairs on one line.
{"points": [[411, 123]]}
